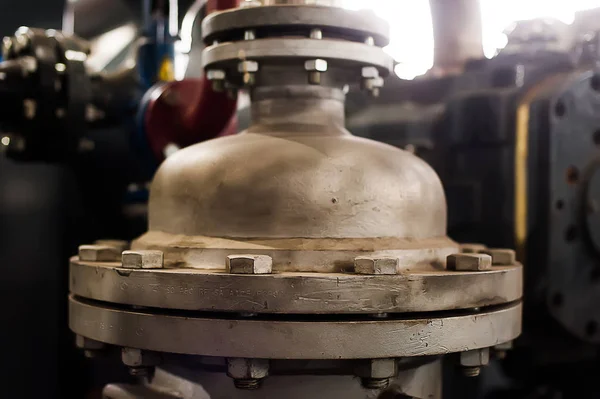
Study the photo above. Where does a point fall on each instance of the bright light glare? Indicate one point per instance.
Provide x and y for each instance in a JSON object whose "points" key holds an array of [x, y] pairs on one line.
{"points": [[497, 15], [410, 31], [412, 34]]}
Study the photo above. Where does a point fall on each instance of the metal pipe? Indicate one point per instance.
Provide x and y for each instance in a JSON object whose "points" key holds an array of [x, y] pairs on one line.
{"points": [[457, 32]]}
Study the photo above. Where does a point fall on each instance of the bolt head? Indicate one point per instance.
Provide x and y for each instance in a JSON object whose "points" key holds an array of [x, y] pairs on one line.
{"points": [[370, 72], [317, 65], [248, 67], [372, 265], [501, 257], [143, 259], [316, 34], [82, 342], [376, 368], [7, 47], [249, 264], [249, 35], [98, 253], [215, 74], [133, 357], [469, 262], [475, 358], [242, 369]]}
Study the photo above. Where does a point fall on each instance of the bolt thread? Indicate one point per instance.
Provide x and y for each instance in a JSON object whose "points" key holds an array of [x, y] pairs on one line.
{"points": [[375, 383], [247, 384], [471, 371]]}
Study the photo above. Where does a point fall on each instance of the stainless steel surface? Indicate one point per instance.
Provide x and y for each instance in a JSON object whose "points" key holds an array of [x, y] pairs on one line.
{"points": [[294, 339], [302, 293]]}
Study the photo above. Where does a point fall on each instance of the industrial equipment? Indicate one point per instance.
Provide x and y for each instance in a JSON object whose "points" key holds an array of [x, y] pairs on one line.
{"points": [[294, 259], [514, 140]]}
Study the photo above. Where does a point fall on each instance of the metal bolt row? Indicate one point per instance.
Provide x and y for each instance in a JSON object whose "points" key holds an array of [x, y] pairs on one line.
{"points": [[113, 250], [371, 80]]}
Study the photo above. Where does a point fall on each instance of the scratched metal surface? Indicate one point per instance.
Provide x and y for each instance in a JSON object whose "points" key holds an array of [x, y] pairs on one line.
{"points": [[295, 339], [320, 293]]}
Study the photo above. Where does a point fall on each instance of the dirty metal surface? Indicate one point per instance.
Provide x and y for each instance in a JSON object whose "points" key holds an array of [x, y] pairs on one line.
{"points": [[285, 339], [320, 293]]}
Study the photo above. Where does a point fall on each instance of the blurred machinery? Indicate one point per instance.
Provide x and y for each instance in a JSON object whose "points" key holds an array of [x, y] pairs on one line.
{"points": [[515, 142], [294, 258], [86, 148]]}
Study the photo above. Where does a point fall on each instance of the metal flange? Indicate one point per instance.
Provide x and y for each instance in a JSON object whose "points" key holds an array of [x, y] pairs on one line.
{"points": [[318, 293], [333, 22], [284, 339], [230, 54]]}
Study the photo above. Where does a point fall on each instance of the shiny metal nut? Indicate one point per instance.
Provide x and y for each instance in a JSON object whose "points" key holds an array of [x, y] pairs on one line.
{"points": [[143, 259], [469, 262], [475, 358], [249, 35], [215, 74], [248, 67], [134, 357], [501, 257], [370, 72], [376, 368], [317, 65], [316, 34], [472, 248], [247, 369], [98, 253], [119, 245], [371, 265], [249, 264], [82, 342]]}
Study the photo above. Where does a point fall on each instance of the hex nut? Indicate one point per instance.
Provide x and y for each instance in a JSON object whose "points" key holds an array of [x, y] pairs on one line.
{"points": [[85, 343], [475, 358], [119, 245], [133, 357], [505, 346], [215, 74], [472, 248], [317, 65], [372, 265], [98, 253], [370, 72], [501, 257], [376, 368], [469, 262], [247, 369], [248, 67], [143, 259], [316, 34], [249, 264]]}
